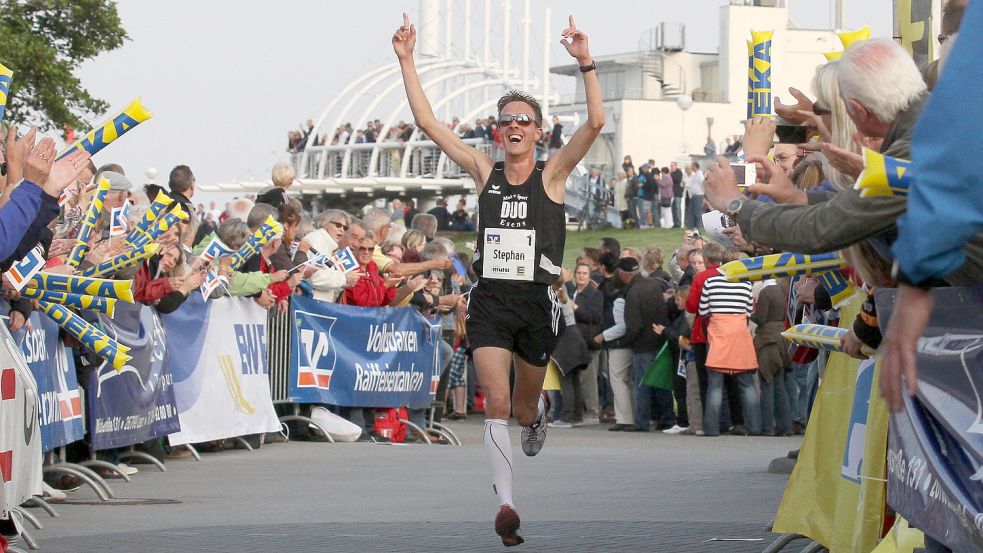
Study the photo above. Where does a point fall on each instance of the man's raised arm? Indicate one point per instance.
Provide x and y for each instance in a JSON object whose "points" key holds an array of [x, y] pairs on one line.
{"points": [[476, 163], [561, 163]]}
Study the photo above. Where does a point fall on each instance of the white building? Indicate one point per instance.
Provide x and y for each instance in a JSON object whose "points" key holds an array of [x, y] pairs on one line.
{"points": [[643, 90]]}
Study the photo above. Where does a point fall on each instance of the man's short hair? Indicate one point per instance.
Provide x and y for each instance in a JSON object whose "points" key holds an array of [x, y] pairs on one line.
{"points": [[283, 175], [180, 179], [608, 261], [258, 214], [879, 75], [713, 253], [611, 245], [425, 223], [519, 96], [433, 250], [376, 218], [233, 232], [115, 167]]}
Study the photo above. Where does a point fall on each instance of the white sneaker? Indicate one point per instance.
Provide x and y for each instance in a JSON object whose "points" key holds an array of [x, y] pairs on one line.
{"points": [[559, 424], [676, 429], [589, 421], [127, 469]]}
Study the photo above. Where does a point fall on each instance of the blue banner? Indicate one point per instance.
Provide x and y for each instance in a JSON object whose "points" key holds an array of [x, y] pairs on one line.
{"points": [[53, 367], [935, 446], [362, 357], [136, 403]]}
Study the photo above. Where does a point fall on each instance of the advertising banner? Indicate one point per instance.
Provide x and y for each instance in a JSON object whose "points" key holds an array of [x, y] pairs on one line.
{"points": [[135, 403], [362, 357], [20, 433], [222, 390], [935, 447], [53, 367]]}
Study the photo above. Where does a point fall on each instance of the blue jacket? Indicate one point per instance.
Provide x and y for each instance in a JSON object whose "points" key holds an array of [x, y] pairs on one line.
{"points": [[945, 204], [17, 215]]}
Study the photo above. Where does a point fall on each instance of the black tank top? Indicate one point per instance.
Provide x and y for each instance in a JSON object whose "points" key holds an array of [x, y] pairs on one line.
{"points": [[524, 206]]}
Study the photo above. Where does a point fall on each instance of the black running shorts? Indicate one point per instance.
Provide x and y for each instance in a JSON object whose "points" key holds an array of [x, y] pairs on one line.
{"points": [[523, 318]]}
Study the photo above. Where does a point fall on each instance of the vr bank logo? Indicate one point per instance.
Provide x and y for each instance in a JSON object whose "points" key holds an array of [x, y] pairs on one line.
{"points": [[316, 358], [493, 239]]}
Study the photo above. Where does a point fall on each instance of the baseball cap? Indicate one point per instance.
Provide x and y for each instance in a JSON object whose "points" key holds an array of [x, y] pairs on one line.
{"points": [[628, 264]]}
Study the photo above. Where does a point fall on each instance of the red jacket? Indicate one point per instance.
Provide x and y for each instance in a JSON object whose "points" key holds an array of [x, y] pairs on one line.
{"points": [[281, 290], [148, 290], [370, 290], [693, 303]]}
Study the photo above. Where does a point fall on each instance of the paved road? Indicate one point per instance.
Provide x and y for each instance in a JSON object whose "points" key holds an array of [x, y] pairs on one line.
{"points": [[589, 490]]}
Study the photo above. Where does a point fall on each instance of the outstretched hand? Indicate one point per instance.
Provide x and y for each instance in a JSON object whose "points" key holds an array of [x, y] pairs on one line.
{"points": [[575, 41], [404, 39], [65, 171], [791, 112]]}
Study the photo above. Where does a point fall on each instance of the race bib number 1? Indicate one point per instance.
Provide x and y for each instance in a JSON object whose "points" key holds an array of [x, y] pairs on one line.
{"points": [[509, 254]]}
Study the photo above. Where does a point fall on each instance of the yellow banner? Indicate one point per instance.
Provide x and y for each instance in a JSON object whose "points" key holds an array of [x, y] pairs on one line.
{"points": [[6, 76], [75, 301], [121, 261], [90, 336], [103, 135], [87, 286], [780, 265], [883, 175], [88, 223], [836, 493], [901, 538]]}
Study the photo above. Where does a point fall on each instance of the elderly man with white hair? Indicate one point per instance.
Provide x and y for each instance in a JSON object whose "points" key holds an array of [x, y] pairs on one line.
{"points": [[885, 95]]}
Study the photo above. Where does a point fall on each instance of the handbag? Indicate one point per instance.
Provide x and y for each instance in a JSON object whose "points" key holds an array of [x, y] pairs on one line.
{"points": [[662, 371]]}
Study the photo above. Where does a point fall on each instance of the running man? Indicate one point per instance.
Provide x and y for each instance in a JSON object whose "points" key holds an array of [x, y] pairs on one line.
{"points": [[512, 313]]}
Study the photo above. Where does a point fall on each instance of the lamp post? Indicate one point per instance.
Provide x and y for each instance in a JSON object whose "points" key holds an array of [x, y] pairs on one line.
{"points": [[684, 102]]}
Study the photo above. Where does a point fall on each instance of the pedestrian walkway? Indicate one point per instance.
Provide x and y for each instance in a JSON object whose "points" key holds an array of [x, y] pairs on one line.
{"points": [[589, 490]]}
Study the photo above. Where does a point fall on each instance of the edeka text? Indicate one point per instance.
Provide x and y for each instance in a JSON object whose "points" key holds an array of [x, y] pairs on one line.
{"points": [[385, 338]]}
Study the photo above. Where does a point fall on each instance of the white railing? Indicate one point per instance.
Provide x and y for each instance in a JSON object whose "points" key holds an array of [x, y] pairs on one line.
{"points": [[392, 159]]}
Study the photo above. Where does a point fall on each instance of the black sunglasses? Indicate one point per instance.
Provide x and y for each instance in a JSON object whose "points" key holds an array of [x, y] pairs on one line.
{"points": [[523, 119], [342, 226]]}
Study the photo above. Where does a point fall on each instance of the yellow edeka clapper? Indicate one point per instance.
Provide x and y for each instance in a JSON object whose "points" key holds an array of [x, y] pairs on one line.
{"points": [[87, 286], [90, 336], [103, 135], [266, 232], [88, 223], [761, 65], [121, 261], [781, 265], [819, 337], [159, 204], [840, 288], [6, 77], [883, 175], [847, 38], [75, 301]]}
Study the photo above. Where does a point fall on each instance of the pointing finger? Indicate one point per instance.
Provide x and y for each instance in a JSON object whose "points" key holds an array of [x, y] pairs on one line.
{"points": [[572, 24]]}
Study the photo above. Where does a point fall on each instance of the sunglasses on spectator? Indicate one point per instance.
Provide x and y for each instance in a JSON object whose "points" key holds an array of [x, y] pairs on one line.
{"points": [[342, 226], [523, 119], [364, 249], [820, 110]]}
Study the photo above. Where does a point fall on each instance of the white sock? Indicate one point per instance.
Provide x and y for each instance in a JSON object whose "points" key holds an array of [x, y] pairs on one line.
{"points": [[498, 450], [542, 409]]}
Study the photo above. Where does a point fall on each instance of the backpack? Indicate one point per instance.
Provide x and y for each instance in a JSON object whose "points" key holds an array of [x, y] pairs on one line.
{"points": [[387, 423]]}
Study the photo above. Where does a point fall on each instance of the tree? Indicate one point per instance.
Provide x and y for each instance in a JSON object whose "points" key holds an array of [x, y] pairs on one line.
{"points": [[44, 42]]}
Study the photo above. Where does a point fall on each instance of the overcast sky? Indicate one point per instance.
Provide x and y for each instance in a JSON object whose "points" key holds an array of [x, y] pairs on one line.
{"points": [[226, 79]]}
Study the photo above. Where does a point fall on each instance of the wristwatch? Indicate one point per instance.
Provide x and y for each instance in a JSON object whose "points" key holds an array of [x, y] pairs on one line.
{"points": [[588, 68], [3, 168], [734, 207]]}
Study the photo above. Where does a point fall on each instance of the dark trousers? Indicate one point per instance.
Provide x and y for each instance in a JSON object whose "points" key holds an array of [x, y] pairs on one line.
{"points": [[677, 203], [700, 352], [679, 393]]}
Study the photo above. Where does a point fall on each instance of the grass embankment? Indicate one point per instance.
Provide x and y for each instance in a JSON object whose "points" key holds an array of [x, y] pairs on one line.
{"points": [[667, 239]]}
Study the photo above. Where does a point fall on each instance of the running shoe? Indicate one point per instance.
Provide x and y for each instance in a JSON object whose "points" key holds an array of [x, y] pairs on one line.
{"points": [[507, 526], [676, 429], [559, 424], [534, 435]]}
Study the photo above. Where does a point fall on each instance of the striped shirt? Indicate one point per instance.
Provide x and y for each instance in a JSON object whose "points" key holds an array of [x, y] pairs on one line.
{"points": [[720, 296]]}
